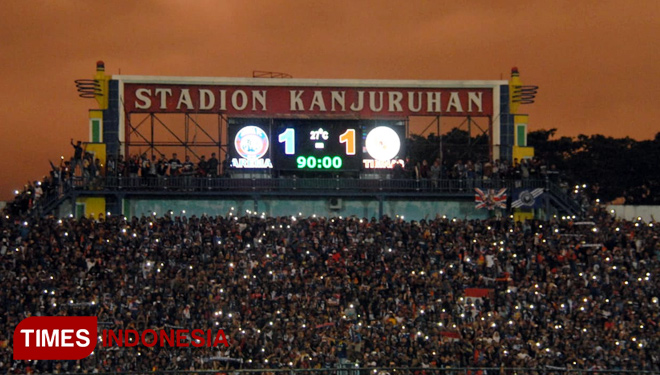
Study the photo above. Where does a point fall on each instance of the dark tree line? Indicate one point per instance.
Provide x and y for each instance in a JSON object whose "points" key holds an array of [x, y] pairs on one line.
{"points": [[453, 146], [611, 167]]}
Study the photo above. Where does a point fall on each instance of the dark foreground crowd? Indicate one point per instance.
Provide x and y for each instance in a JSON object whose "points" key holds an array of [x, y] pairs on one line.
{"points": [[326, 293]]}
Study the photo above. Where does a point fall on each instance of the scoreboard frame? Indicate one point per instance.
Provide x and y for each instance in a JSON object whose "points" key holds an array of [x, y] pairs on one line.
{"points": [[315, 145]]}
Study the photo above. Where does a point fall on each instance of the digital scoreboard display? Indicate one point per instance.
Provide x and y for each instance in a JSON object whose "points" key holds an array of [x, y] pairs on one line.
{"points": [[315, 145]]}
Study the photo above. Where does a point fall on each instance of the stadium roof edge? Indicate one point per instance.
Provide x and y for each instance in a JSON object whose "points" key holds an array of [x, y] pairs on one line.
{"points": [[306, 82]]}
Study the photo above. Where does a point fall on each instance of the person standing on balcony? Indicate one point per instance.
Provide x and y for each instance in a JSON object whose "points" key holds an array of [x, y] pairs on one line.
{"points": [[175, 165], [212, 166], [187, 171], [145, 167], [161, 167], [133, 170], [435, 173], [77, 156], [203, 167]]}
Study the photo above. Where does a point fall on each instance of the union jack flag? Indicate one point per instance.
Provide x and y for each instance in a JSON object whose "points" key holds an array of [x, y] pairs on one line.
{"points": [[490, 199]]}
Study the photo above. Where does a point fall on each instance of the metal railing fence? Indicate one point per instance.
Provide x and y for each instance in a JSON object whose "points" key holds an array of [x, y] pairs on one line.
{"points": [[349, 370], [349, 185]]}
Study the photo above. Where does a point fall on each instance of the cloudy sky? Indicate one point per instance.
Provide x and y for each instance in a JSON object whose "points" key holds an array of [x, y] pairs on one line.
{"points": [[596, 62]]}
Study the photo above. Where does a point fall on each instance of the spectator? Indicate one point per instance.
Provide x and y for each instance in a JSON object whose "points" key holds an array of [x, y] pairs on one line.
{"points": [[38, 191], [145, 166], [436, 169], [212, 166], [188, 168], [122, 170], [424, 170], [175, 165], [153, 168], [203, 167], [77, 159], [162, 167]]}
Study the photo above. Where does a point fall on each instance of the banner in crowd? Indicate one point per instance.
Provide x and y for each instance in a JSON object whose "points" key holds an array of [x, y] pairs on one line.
{"points": [[490, 199], [527, 198], [450, 335], [474, 300]]}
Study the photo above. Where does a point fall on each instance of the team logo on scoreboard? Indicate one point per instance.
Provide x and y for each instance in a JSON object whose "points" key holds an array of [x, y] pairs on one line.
{"points": [[383, 145], [251, 143]]}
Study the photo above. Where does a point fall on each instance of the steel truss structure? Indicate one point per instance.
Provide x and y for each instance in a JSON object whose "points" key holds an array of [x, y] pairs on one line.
{"points": [[157, 134], [473, 148]]}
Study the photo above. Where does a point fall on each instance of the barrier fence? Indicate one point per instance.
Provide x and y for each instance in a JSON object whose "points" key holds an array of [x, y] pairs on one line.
{"points": [[390, 371], [304, 184]]}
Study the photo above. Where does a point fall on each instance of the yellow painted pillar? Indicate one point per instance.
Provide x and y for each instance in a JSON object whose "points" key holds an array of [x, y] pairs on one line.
{"points": [[102, 79], [520, 150], [91, 207], [520, 121], [98, 151], [514, 87]]}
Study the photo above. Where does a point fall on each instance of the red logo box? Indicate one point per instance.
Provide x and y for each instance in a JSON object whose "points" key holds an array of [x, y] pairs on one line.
{"points": [[55, 337]]}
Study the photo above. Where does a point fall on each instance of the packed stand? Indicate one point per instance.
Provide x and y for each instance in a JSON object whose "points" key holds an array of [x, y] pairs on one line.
{"points": [[329, 292], [158, 171]]}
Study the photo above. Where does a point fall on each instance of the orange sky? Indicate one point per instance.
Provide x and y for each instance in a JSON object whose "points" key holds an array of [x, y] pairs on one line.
{"points": [[596, 62]]}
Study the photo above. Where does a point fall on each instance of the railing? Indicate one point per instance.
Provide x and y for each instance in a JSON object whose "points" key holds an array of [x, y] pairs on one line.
{"points": [[350, 370], [290, 185], [337, 187], [564, 198]]}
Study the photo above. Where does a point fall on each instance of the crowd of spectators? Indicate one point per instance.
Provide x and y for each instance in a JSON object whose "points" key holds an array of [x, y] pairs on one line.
{"points": [[143, 171], [145, 166], [84, 169], [32, 195], [643, 194], [152, 167], [160, 167], [314, 292], [81, 164], [468, 170]]}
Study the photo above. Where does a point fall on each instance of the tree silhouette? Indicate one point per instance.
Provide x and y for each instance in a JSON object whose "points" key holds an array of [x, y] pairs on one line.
{"points": [[611, 167]]}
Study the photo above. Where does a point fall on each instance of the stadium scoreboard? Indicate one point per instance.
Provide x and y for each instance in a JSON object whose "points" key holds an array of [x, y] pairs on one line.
{"points": [[315, 145]]}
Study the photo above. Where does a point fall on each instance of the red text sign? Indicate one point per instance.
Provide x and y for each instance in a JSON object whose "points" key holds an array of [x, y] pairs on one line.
{"points": [[287, 101]]}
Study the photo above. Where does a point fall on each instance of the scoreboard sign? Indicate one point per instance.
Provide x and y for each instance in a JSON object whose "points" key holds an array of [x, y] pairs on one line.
{"points": [[315, 145], [313, 124]]}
